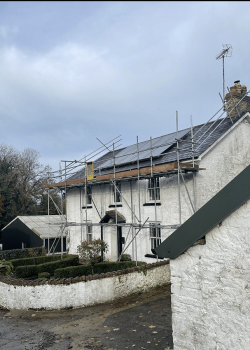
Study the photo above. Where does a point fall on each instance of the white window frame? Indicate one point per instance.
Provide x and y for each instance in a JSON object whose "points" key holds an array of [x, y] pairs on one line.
{"points": [[89, 196], [154, 234], [113, 188], [154, 188], [89, 233]]}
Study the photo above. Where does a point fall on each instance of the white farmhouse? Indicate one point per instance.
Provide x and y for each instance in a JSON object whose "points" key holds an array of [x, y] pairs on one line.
{"points": [[210, 284], [138, 197]]}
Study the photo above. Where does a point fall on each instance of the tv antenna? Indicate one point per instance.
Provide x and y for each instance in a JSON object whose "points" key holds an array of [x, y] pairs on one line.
{"points": [[226, 52]]}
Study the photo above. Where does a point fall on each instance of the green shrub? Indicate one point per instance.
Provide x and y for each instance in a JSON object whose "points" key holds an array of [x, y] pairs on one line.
{"points": [[21, 253], [85, 270], [35, 261], [44, 275], [9, 267], [125, 257], [50, 267]]}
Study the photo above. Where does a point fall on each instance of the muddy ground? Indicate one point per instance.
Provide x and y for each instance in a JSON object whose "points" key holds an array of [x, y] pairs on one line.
{"points": [[139, 321]]}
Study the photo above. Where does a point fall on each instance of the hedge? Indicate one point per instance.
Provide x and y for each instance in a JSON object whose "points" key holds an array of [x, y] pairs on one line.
{"points": [[20, 253], [50, 267], [8, 265], [35, 261], [74, 271], [44, 275]]}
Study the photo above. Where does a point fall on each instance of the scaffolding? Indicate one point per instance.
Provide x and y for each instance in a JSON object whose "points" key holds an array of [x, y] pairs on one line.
{"points": [[101, 177]]}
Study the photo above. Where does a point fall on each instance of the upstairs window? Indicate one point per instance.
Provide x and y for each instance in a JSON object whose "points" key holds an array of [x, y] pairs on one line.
{"points": [[116, 192], [89, 196], [155, 235], [154, 189]]}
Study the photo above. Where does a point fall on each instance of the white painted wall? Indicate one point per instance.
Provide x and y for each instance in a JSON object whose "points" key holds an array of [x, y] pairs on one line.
{"points": [[226, 160], [81, 294], [211, 289]]}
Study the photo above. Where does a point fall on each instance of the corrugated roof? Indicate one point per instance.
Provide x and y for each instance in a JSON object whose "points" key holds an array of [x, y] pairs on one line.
{"points": [[43, 225]]}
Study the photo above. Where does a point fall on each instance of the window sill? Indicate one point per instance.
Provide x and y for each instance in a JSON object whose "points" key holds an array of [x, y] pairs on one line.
{"points": [[113, 205], [88, 207], [151, 204]]}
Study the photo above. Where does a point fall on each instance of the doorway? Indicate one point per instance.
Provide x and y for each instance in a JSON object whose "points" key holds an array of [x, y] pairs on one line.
{"points": [[119, 240]]}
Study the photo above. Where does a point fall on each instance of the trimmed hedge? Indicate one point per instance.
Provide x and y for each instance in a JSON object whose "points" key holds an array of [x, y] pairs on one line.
{"points": [[35, 261], [8, 265], [44, 275], [74, 271], [20, 253], [50, 267]]}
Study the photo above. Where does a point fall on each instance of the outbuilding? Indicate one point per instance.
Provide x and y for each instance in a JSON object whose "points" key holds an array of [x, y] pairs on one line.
{"points": [[35, 231]]}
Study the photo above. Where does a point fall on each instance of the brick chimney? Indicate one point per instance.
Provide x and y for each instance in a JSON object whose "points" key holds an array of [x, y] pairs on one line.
{"points": [[237, 92]]}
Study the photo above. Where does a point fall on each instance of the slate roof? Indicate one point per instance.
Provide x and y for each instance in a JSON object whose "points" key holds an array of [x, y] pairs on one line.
{"points": [[42, 225], [204, 136]]}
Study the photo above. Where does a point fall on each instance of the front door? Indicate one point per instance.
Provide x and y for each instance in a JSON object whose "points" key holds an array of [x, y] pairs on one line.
{"points": [[119, 240]]}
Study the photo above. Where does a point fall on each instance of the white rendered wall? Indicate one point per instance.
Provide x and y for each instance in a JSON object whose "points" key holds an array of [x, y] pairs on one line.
{"points": [[226, 160], [81, 294], [210, 286]]}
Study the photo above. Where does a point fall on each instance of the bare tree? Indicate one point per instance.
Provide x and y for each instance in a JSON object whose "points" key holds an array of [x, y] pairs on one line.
{"points": [[21, 184]]}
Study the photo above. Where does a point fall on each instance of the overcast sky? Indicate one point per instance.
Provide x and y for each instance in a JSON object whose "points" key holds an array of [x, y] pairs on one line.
{"points": [[74, 71]]}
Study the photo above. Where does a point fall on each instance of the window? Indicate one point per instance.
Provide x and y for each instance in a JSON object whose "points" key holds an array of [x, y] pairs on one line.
{"points": [[89, 233], [154, 189], [116, 192], [89, 195], [155, 235]]}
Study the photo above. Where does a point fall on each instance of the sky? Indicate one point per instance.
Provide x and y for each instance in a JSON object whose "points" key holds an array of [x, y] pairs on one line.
{"points": [[71, 72]]}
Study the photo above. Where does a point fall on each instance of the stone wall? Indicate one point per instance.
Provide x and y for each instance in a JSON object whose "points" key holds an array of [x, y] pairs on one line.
{"points": [[210, 288], [81, 291]]}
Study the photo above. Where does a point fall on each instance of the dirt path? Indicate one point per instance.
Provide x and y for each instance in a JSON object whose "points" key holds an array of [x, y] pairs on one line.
{"points": [[141, 321]]}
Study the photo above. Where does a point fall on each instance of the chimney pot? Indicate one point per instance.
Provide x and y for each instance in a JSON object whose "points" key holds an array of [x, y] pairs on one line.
{"points": [[243, 89]]}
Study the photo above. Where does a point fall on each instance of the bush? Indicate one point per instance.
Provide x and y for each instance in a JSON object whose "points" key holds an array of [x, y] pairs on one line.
{"points": [[85, 270], [44, 275], [21, 253], [125, 257], [9, 267], [36, 260], [50, 267]]}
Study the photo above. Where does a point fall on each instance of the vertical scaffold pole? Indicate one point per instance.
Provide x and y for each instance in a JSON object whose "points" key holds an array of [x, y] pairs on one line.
{"points": [[81, 220], [138, 167], [132, 218], [178, 163], [151, 158], [139, 196], [60, 167], [49, 222], [62, 210], [86, 212], [135, 246], [65, 196], [192, 140], [65, 190], [115, 192]]}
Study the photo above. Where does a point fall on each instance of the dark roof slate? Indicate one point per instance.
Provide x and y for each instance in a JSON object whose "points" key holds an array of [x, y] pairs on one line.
{"points": [[204, 136]]}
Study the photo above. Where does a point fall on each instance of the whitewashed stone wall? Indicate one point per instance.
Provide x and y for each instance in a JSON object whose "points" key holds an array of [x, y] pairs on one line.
{"points": [[58, 295], [225, 160], [211, 289]]}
